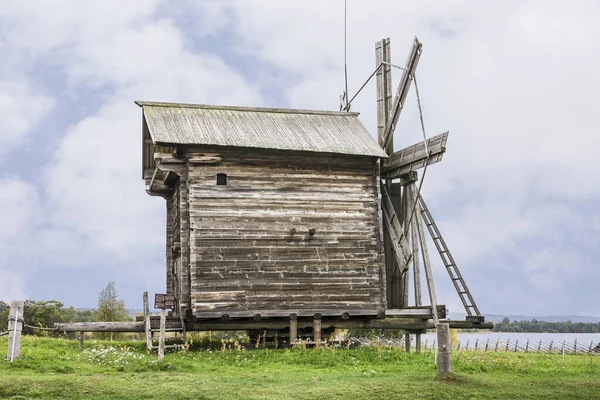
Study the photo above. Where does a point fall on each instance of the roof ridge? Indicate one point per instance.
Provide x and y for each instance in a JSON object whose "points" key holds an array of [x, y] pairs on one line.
{"points": [[248, 109]]}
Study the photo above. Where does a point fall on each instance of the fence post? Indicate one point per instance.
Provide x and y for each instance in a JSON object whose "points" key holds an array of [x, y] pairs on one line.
{"points": [[516, 344], [527, 346], [467, 348], [15, 326], [540, 346], [443, 338], [293, 329], [507, 343], [476, 343], [81, 339], [147, 326], [317, 330], [497, 343], [161, 335], [550, 348], [487, 344], [575, 346], [591, 344]]}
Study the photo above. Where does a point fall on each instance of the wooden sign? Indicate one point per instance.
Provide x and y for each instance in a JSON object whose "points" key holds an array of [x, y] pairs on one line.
{"points": [[164, 301]]}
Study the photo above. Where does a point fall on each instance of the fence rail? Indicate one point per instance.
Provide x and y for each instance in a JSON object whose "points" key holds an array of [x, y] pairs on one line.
{"points": [[523, 346]]}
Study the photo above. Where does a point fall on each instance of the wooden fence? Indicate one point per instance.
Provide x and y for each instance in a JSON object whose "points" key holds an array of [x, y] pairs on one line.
{"points": [[485, 345]]}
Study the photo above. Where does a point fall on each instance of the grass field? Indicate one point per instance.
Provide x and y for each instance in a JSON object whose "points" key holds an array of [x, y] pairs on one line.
{"points": [[56, 368]]}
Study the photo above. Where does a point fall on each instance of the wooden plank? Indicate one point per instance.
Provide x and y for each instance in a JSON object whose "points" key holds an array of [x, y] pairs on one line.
{"points": [[383, 79], [305, 321], [414, 157], [402, 92]]}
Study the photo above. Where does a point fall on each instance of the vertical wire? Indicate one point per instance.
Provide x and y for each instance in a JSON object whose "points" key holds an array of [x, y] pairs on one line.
{"points": [[345, 49]]}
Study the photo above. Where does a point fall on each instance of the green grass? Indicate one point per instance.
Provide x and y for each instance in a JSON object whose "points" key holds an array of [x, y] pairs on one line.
{"points": [[56, 368]]}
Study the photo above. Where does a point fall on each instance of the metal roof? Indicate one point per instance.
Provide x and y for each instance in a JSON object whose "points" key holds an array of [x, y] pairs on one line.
{"points": [[267, 128]]}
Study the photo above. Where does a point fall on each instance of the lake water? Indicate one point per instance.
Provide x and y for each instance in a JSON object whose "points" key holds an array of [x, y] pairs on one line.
{"points": [[583, 340]]}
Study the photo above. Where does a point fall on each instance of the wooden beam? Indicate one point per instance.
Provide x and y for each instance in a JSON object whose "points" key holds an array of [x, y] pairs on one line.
{"points": [[414, 235], [402, 92], [383, 79], [416, 323], [426, 261], [392, 222], [414, 157]]}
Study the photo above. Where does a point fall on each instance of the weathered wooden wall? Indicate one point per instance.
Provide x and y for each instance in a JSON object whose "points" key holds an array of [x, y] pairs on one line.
{"points": [[244, 256], [173, 247]]}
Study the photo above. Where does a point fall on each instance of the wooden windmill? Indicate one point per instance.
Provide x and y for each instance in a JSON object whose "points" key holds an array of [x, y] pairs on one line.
{"points": [[405, 214]]}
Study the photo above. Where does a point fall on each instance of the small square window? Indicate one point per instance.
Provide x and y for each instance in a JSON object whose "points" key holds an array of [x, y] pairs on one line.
{"points": [[221, 179]]}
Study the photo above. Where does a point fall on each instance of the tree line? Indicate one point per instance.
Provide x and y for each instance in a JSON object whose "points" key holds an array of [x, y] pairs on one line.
{"points": [[46, 313], [535, 326]]}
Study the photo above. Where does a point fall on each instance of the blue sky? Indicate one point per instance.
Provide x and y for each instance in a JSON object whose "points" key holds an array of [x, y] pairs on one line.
{"points": [[515, 82]]}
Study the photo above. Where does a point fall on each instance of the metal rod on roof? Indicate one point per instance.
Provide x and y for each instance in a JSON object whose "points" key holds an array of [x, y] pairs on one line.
{"points": [[345, 49], [363, 86]]}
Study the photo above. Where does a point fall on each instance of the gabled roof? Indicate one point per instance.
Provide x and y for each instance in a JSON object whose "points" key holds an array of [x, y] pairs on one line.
{"points": [[266, 128]]}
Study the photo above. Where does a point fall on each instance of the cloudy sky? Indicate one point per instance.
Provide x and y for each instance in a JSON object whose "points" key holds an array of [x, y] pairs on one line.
{"points": [[517, 195]]}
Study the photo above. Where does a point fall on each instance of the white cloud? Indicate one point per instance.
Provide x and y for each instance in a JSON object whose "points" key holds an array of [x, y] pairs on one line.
{"points": [[21, 108], [516, 83], [20, 214]]}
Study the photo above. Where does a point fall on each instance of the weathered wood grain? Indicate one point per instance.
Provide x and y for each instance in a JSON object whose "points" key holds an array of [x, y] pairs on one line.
{"points": [[250, 241]]}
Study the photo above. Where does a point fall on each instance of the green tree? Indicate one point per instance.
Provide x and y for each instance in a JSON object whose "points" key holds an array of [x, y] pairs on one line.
{"points": [[110, 308], [4, 308]]}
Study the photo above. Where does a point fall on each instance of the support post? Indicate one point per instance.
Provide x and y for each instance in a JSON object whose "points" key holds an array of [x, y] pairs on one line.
{"points": [[383, 80], [426, 261], [407, 342], [147, 323], [443, 339], [317, 330], [15, 326], [293, 329], [81, 336], [418, 342], [161, 337]]}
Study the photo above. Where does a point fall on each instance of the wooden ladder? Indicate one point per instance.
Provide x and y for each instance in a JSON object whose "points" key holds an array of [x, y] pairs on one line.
{"points": [[457, 279]]}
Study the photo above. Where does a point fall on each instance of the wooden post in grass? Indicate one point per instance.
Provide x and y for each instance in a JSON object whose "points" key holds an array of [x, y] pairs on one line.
{"points": [[15, 326], [161, 335], [81, 334], [317, 330], [443, 339], [293, 329], [147, 323]]}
